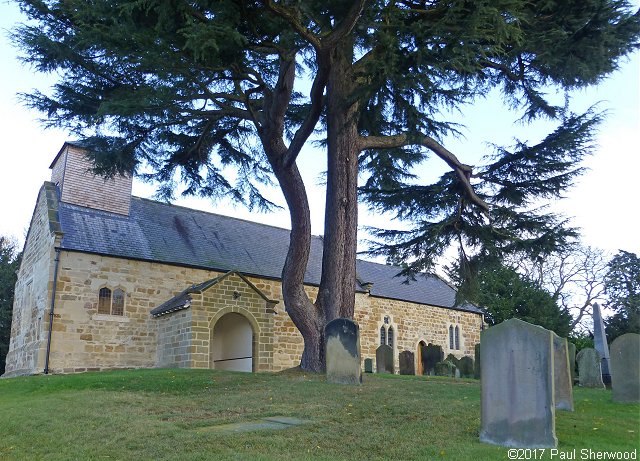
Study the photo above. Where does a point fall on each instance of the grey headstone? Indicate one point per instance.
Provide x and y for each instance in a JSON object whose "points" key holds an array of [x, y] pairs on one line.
{"points": [[453, 359], [342, 348], [518, 407], [384, 359], [407, 363], [465, 365], [572, 361], [445, 368], [368, 365], [563, 383], [625, 368], [600, 343], [476, 363], [432, 354], [589, 371]]}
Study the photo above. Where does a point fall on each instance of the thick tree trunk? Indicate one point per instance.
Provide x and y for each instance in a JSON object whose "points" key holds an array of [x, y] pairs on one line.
{"points": [[336, 296]]}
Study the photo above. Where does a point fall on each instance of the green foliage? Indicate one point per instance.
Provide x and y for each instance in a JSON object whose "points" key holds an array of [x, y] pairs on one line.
{"points": [[9, 264], [622, 285], [505, 294], [581, 341]]}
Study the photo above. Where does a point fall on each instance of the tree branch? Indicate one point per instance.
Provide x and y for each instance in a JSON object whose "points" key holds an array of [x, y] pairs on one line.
{"points": [[289, 15], [463, 171]]}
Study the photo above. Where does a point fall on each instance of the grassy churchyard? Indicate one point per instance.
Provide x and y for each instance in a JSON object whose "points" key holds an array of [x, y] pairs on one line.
{"points": [[171, 414]]}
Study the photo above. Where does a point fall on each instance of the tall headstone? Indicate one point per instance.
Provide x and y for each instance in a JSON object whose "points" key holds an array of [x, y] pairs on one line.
{"points": [[342, 349], [518, 406], [625, 368], [407, 363], [563, 383], [600, 343], [572, 361], [589, 371], [465, 365], [368, 365], [384, 359], [476, 363], [432, 354]]}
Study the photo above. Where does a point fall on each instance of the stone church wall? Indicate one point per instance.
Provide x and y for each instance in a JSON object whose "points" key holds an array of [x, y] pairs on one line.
{"points": [[30, 322]]}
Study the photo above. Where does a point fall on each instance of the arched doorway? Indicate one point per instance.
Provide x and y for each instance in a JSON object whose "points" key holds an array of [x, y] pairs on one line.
{"points": [[232, 344], [420, 358]]}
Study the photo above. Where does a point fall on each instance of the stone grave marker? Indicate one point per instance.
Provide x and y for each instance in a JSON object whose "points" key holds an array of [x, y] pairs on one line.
{"points": [[432, 355], [384, 359], [407, 363], [625, 368], [518, 408], [465, 365], [368, 365], [476, 363], [572, 361], [342, 349], [563, 383], [600, 343], [453, 359], [445, 368], [589, 371]]}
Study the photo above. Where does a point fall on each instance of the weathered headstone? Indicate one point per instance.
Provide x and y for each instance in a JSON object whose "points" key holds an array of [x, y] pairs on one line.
{"points": [[342, 349], [563, 384], [465, 365], [445, 368], [600, 343], [572, 361], [589, 371], [368, 365], [384, 359], [625, 368], [518, 408], [432, 354], [476, 363], [407, 363], [453, 359]]}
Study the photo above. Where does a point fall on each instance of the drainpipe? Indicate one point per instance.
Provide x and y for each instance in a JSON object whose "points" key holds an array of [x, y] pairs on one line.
{"points": [[51, 308]]}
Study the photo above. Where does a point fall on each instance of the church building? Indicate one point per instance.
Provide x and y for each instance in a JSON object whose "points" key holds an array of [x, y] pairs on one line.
{"points": [[113, 281]]}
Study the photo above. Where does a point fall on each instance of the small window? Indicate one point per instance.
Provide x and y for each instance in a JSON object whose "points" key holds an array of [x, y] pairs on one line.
{"points": [[390, 336], [383, 336], [451, 340], [457, 338], [111, 304]]}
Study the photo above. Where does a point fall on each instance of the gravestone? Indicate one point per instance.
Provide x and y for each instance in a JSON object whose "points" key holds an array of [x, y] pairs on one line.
{"points": [[453, 359], [572, 361], [407, 363], [342, 349], [625, 368], [432, 355], [465, 365], [368, 365], [589, 371], [563, 383], [600, 343], [384, 359], [518, 408], [445, 368], [476, 363]]}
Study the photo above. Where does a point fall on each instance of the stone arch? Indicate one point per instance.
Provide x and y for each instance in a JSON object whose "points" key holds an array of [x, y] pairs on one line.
{"points": [[246, 333]]}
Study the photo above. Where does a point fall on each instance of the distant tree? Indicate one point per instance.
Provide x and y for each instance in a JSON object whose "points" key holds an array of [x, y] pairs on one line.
{"points": [[191, 90], [622, 285], [574, 276], [9, 264], [506, 294]]}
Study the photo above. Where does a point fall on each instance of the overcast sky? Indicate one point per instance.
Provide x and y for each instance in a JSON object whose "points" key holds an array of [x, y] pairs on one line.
{"points": [[605, 203]]}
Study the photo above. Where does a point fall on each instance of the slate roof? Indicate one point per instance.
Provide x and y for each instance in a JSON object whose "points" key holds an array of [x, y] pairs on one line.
{"points": [[171, 234]]}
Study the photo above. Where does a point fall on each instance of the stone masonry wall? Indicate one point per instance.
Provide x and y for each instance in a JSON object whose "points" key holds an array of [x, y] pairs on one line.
{"points": [[72, 172], [29, 325], [83, 339]]}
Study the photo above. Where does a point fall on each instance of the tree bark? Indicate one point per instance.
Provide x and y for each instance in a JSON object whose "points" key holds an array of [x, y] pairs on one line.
{"points": [[336, 295]]}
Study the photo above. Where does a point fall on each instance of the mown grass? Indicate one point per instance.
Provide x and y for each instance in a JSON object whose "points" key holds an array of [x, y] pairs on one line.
{"points": [[167, 414]]}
